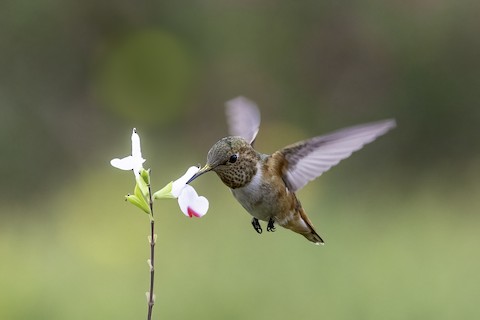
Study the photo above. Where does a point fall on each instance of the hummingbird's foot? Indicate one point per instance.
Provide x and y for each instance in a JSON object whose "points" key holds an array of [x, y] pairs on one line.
{"points": [[256, 225], [271, 225]]}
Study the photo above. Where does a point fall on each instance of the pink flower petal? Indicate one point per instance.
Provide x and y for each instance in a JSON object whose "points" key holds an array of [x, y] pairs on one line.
{"points": [[191, 204], [192, 213]]}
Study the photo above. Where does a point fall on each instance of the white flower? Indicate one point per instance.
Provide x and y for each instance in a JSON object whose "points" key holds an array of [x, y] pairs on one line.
{"points": [[190, 203], [179, 184], [133, 162]]}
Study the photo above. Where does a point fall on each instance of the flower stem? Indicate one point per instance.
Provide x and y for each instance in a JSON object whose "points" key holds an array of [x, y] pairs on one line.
{"points": [[152, 239]]}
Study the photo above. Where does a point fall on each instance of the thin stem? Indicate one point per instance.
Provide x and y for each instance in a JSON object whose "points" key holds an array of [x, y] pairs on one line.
{"points": [[151, 296]]}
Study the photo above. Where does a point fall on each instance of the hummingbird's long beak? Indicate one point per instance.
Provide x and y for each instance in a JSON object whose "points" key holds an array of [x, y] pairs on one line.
{"points": [[205, 169]]}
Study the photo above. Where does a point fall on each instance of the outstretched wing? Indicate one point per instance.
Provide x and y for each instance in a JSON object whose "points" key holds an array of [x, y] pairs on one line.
{"points": [[307, 160], [243, 118]]}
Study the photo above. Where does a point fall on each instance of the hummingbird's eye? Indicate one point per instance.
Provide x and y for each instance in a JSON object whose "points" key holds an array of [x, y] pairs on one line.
{"points": [[233, 158]]}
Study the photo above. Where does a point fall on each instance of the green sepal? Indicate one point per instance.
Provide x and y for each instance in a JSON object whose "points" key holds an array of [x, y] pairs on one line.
{"points": [[165, 192], [145, 174], [139, 193], [142, 182], [138, 202]]}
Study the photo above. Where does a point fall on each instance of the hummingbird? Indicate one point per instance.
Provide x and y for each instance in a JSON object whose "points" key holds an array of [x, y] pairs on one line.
{"points": [[265, 185]]}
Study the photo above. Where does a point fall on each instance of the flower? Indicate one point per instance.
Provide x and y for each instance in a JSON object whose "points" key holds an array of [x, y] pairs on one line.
{"points": [[190, 203], [133, 162], [179, 184]]}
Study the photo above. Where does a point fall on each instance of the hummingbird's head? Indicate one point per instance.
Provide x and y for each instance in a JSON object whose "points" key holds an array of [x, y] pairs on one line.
{"points": [[233, 159]]}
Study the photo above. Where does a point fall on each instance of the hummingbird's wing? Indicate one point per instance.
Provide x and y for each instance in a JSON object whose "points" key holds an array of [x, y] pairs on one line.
{"points": [[308, 159], [243, 118]]}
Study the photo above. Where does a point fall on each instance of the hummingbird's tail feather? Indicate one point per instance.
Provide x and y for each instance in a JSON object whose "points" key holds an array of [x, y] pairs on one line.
{"points": [[314, 237], [311, 234], [301, 224]]}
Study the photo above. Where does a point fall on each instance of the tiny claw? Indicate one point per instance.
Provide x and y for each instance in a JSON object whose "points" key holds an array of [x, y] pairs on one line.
{"points": [[271, 225], [256, 225]]}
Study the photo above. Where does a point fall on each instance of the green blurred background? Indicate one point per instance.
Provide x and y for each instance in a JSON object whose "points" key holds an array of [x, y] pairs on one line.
{"points": [[400, 218]]}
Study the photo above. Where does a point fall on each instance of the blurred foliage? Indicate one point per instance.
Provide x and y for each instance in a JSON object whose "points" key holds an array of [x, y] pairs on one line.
{"points": [[149, 71], [400, 218]]}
